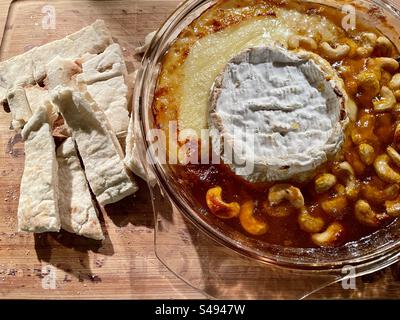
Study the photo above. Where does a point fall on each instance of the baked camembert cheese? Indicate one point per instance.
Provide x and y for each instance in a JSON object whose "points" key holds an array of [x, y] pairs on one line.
{"points": [[279, 108], [320, 104]]}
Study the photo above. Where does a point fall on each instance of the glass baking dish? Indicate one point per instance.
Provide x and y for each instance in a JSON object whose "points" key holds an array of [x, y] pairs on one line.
{"points": [[182, 243], [210, 257]]}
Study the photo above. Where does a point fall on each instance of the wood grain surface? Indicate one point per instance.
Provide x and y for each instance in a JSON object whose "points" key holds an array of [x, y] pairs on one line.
{"points": [[56, 266]]}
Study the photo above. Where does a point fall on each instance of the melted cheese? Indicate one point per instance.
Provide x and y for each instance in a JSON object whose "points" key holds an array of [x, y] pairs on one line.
{"points": [[210, 54]]}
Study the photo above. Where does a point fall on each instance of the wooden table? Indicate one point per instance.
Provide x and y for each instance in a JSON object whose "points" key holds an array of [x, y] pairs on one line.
{"points": [[61, 265]]}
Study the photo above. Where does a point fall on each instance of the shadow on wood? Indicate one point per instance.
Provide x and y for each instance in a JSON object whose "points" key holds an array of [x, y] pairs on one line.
{"points": [[70, 252], [135, 209]]}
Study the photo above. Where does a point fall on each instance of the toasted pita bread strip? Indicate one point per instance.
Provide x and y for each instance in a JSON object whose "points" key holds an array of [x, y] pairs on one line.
{"points": [[111, 96], [94, 38], [147, 40], [38, 202], [102, 118], [104, 66], [77, 212], [38, 97], [24, 102], [132, 159], [19, 106], [104, 77], [30, 67], [17, 71], [104, 167], [60, 71]]}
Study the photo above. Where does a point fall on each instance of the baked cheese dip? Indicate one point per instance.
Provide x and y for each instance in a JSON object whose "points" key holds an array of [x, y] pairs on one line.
{"points": [[312, 105]]}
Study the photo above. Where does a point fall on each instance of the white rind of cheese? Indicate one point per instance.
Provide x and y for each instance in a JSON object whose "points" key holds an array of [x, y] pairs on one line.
{"points": [[277, 109]]}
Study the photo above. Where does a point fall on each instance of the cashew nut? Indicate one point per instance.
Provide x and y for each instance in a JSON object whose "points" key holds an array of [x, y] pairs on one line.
{"points": [[367, 153], [366, 215], [337, 53], [220, 208], [384, 171], [386, 101], [368, 40], [310, 223], [295, 42], [385, 77], [394, 83], [356, 163], [283, 191], [364, 52], [352, 109], [383, 46], [388, 64], [368, 82], [345, 171], [324, 182], [377, 196], [249, 222], [330, 236], [336, 206], [393, 208], [394, 155], [353, 47]]}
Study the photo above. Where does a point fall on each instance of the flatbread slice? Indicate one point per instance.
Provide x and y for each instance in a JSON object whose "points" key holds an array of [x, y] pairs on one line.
{"points": [[60, 71], [19, 107], [132, 159], [24, 102], [30, 67], [78, 214], [94, 38], [38, 97], [104, 77], [147, 40], [38, 202], [17, 71], [97, 145], [111, 96], [104, 66]]}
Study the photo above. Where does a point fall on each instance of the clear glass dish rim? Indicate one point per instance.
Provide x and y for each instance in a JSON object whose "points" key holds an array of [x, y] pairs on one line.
{"points": [[378, 254]]}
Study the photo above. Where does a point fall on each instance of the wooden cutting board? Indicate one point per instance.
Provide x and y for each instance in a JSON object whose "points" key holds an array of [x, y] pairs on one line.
{"points": [[55, 266]]}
